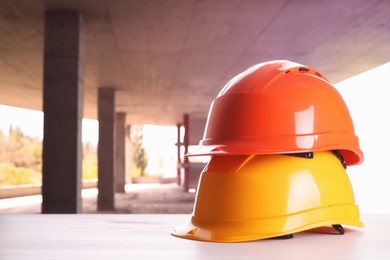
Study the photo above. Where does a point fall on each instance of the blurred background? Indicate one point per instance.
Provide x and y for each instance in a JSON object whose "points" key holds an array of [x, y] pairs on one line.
{"points": [[156, 66]]}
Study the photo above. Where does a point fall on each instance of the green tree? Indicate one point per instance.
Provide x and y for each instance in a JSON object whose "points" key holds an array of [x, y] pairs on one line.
{"points": [[3, 141], [20, 158], [140, 158], [89, 161], [21, 150]]}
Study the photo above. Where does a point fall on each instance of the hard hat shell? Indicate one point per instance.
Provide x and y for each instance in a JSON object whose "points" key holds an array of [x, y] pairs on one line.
{"points": [[242, 198], [279, 107]]}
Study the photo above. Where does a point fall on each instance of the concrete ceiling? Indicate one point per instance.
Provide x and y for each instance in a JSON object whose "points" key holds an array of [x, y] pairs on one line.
{"points": [[170, 57]]}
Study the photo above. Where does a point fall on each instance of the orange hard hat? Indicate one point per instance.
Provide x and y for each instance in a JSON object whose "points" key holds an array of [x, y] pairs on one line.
{"points": [[279, 107]]}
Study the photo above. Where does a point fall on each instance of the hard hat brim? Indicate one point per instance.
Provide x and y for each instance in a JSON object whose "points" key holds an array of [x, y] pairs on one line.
{"points": [[255, 229], [351, 153]]}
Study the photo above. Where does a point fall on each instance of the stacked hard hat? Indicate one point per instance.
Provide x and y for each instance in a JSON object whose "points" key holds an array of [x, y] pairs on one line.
{"points": [[280, 137]]}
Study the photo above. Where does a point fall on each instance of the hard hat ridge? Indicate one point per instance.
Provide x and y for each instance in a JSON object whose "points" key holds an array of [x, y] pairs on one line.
{"points": [[279, 107]]}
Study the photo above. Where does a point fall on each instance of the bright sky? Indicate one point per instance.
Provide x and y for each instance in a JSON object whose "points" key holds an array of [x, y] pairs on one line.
{"points": [[367, 98], [159, 143], [31, 123]]}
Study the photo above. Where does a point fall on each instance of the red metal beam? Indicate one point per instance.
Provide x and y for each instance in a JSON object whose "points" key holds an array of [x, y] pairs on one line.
{"points": [[186, 142]]}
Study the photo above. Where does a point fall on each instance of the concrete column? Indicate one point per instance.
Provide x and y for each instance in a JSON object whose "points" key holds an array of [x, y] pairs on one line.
{"points": [[63, 111], [186, 143], [120, 170], [106, 149]]}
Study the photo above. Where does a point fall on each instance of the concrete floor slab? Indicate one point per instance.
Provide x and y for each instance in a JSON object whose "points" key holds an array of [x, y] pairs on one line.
{"points": [[150, 198]]}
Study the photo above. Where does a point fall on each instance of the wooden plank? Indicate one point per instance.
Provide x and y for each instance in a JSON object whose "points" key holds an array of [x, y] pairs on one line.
{"points": [[148, 237]]}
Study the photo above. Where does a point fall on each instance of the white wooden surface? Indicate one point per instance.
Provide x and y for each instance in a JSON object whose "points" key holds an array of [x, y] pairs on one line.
{"points": [[148, 237]]}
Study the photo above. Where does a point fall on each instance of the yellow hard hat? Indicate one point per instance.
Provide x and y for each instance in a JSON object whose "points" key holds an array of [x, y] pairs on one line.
{"points": [[249, 197]]}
